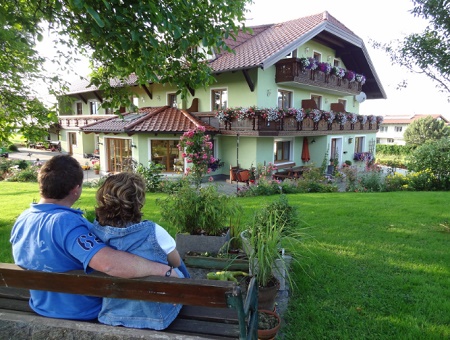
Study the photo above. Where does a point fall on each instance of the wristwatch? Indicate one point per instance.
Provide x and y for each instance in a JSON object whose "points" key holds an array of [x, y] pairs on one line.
{"points": [[169, 272]]}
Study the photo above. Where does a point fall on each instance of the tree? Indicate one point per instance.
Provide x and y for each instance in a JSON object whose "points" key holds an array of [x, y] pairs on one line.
{"points": [[162, 41], [425, 129], [20, 66], [433, 156], [427, 52]]}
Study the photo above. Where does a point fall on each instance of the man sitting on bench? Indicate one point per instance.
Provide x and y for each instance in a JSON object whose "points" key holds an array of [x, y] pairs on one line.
{"points": [[51, 236]]}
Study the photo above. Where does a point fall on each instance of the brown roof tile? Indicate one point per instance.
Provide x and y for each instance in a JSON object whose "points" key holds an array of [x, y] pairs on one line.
{"points": [[149, 119], [410, 119], [252, 50]]}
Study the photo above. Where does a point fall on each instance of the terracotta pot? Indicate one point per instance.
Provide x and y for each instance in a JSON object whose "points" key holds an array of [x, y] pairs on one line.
{"points": [[266, 334], [267, 295]]}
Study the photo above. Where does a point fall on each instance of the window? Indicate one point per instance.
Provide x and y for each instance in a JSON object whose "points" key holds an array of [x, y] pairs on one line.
{"points": [[359, 144], [383, 128], [282, 150], [172, 99], [94, 107], [398, 128], [336, 63], [136, 101], [166, 153], [219, 99], [108, 111], [390, 140], [343, 102], [79, 108], [284, 99], [317, 56], [318, 100]]}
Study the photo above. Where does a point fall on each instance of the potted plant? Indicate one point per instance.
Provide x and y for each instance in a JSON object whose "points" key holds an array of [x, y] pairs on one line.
{"points": [[269, 323], [96, 167], [201, 215], [272, 228]]}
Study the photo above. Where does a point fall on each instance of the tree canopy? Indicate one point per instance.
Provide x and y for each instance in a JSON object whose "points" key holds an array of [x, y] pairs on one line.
{"points": [[426, 52], [425, 129], [161, 41]]}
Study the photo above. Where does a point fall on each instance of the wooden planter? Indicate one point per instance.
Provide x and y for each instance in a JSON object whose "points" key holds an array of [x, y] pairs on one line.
{"points": [[208, 262], [200, 243]]}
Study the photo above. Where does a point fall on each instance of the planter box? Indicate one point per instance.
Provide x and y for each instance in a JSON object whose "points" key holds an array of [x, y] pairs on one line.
{"points": [[279, 270], [200, 243], [208, 262]]}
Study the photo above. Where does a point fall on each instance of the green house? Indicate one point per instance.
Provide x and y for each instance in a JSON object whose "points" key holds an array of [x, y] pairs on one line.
{"points": [[287, 86]]}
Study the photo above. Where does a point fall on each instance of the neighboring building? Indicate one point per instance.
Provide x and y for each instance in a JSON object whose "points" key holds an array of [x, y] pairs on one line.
{"points": [[393, 127], [268, 70]]}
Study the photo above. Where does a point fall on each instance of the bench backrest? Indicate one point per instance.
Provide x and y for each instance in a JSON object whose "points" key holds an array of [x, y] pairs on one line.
{"points": [[189, 292]]}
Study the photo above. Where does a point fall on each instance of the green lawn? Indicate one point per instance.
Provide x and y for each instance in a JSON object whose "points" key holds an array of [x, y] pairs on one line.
{"points": [[376, 267]]}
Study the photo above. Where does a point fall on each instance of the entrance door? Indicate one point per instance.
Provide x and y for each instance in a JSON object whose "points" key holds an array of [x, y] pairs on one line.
{"points": [[336, 150], [72, 141], [119, 155]]}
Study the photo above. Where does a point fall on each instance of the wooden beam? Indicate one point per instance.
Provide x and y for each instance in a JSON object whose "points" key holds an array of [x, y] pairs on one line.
{"points": [[149, 94], [97, 95], [191, 91], [82, 98], [249, 80]]}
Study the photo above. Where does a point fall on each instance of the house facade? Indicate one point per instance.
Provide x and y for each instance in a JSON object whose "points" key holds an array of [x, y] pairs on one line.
{"points": [[393, 127], [286, 85]]}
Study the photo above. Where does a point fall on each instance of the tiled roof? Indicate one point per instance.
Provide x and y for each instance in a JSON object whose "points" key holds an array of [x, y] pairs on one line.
{"points": [[409, 119], [149, 119], [82, 85], [267, 44], [258, 49]]}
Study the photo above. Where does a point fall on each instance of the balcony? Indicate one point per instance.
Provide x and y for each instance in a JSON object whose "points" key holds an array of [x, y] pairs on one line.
{"points": [[292, 72], [70, 121], [289, 126]]}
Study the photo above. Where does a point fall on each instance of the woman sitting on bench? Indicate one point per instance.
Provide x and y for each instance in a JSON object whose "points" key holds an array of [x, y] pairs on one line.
{"points": [[119, 224]]}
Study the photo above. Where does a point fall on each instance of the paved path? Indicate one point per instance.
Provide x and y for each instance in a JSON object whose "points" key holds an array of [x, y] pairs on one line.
{"points": [[89, 175]]}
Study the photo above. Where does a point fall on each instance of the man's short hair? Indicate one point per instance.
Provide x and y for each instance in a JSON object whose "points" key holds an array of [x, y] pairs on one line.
{"points": [[58, 176]]}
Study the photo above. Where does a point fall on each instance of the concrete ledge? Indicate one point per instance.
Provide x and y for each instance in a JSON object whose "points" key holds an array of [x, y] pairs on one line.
{"points": [[18, 325]]}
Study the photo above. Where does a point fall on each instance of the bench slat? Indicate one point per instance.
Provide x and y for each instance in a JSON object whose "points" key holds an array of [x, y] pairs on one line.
{"points": [[190, 292]]}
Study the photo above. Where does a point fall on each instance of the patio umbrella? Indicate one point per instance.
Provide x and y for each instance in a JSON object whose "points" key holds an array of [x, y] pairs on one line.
{"points": [[305, 150]]}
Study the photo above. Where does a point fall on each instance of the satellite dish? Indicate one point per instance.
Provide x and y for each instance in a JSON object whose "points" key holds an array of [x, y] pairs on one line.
{"points": [[361, 97]]}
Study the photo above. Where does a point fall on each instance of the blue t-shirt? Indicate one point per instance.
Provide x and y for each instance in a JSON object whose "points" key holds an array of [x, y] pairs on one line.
{"points": [[54, 238]]}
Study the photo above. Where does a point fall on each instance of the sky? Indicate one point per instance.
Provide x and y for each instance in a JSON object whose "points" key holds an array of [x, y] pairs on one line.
{"points": [[382, 21]]}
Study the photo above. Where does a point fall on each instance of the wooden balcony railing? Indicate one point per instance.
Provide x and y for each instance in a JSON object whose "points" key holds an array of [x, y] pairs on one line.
{"points": [[289, 125], [80, 121], [290, 70]]}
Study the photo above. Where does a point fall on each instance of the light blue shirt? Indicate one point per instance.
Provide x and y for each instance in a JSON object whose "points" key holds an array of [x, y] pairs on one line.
{"points": [[54, 238]]}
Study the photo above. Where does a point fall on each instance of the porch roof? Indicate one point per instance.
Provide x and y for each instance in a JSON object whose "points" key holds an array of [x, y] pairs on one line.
{"points": [[149, 119]]}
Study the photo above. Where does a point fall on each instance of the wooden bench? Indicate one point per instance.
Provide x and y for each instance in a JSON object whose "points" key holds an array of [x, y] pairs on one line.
{"points": [[212, 309], [285, 171]]}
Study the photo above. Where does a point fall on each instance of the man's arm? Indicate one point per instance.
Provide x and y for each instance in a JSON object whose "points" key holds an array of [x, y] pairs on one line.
{"points": [[126, 265]]}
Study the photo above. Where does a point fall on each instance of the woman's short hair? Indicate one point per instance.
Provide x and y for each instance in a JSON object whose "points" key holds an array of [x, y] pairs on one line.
{"points": [[120, 200], [58, 176]]}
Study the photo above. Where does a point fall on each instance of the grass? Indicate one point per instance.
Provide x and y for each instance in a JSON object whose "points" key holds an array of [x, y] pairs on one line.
{"points": [[376, 267]]}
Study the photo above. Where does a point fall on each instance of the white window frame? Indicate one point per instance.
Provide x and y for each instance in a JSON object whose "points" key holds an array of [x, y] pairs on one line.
{"points": [[212, 104], [291, 150]]}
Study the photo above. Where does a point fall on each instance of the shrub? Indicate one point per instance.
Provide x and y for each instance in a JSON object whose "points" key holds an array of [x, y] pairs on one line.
{"points": [[423, 181], [372, 180], [198, 210], [152, 175], [29, 174], [395, 182]]}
